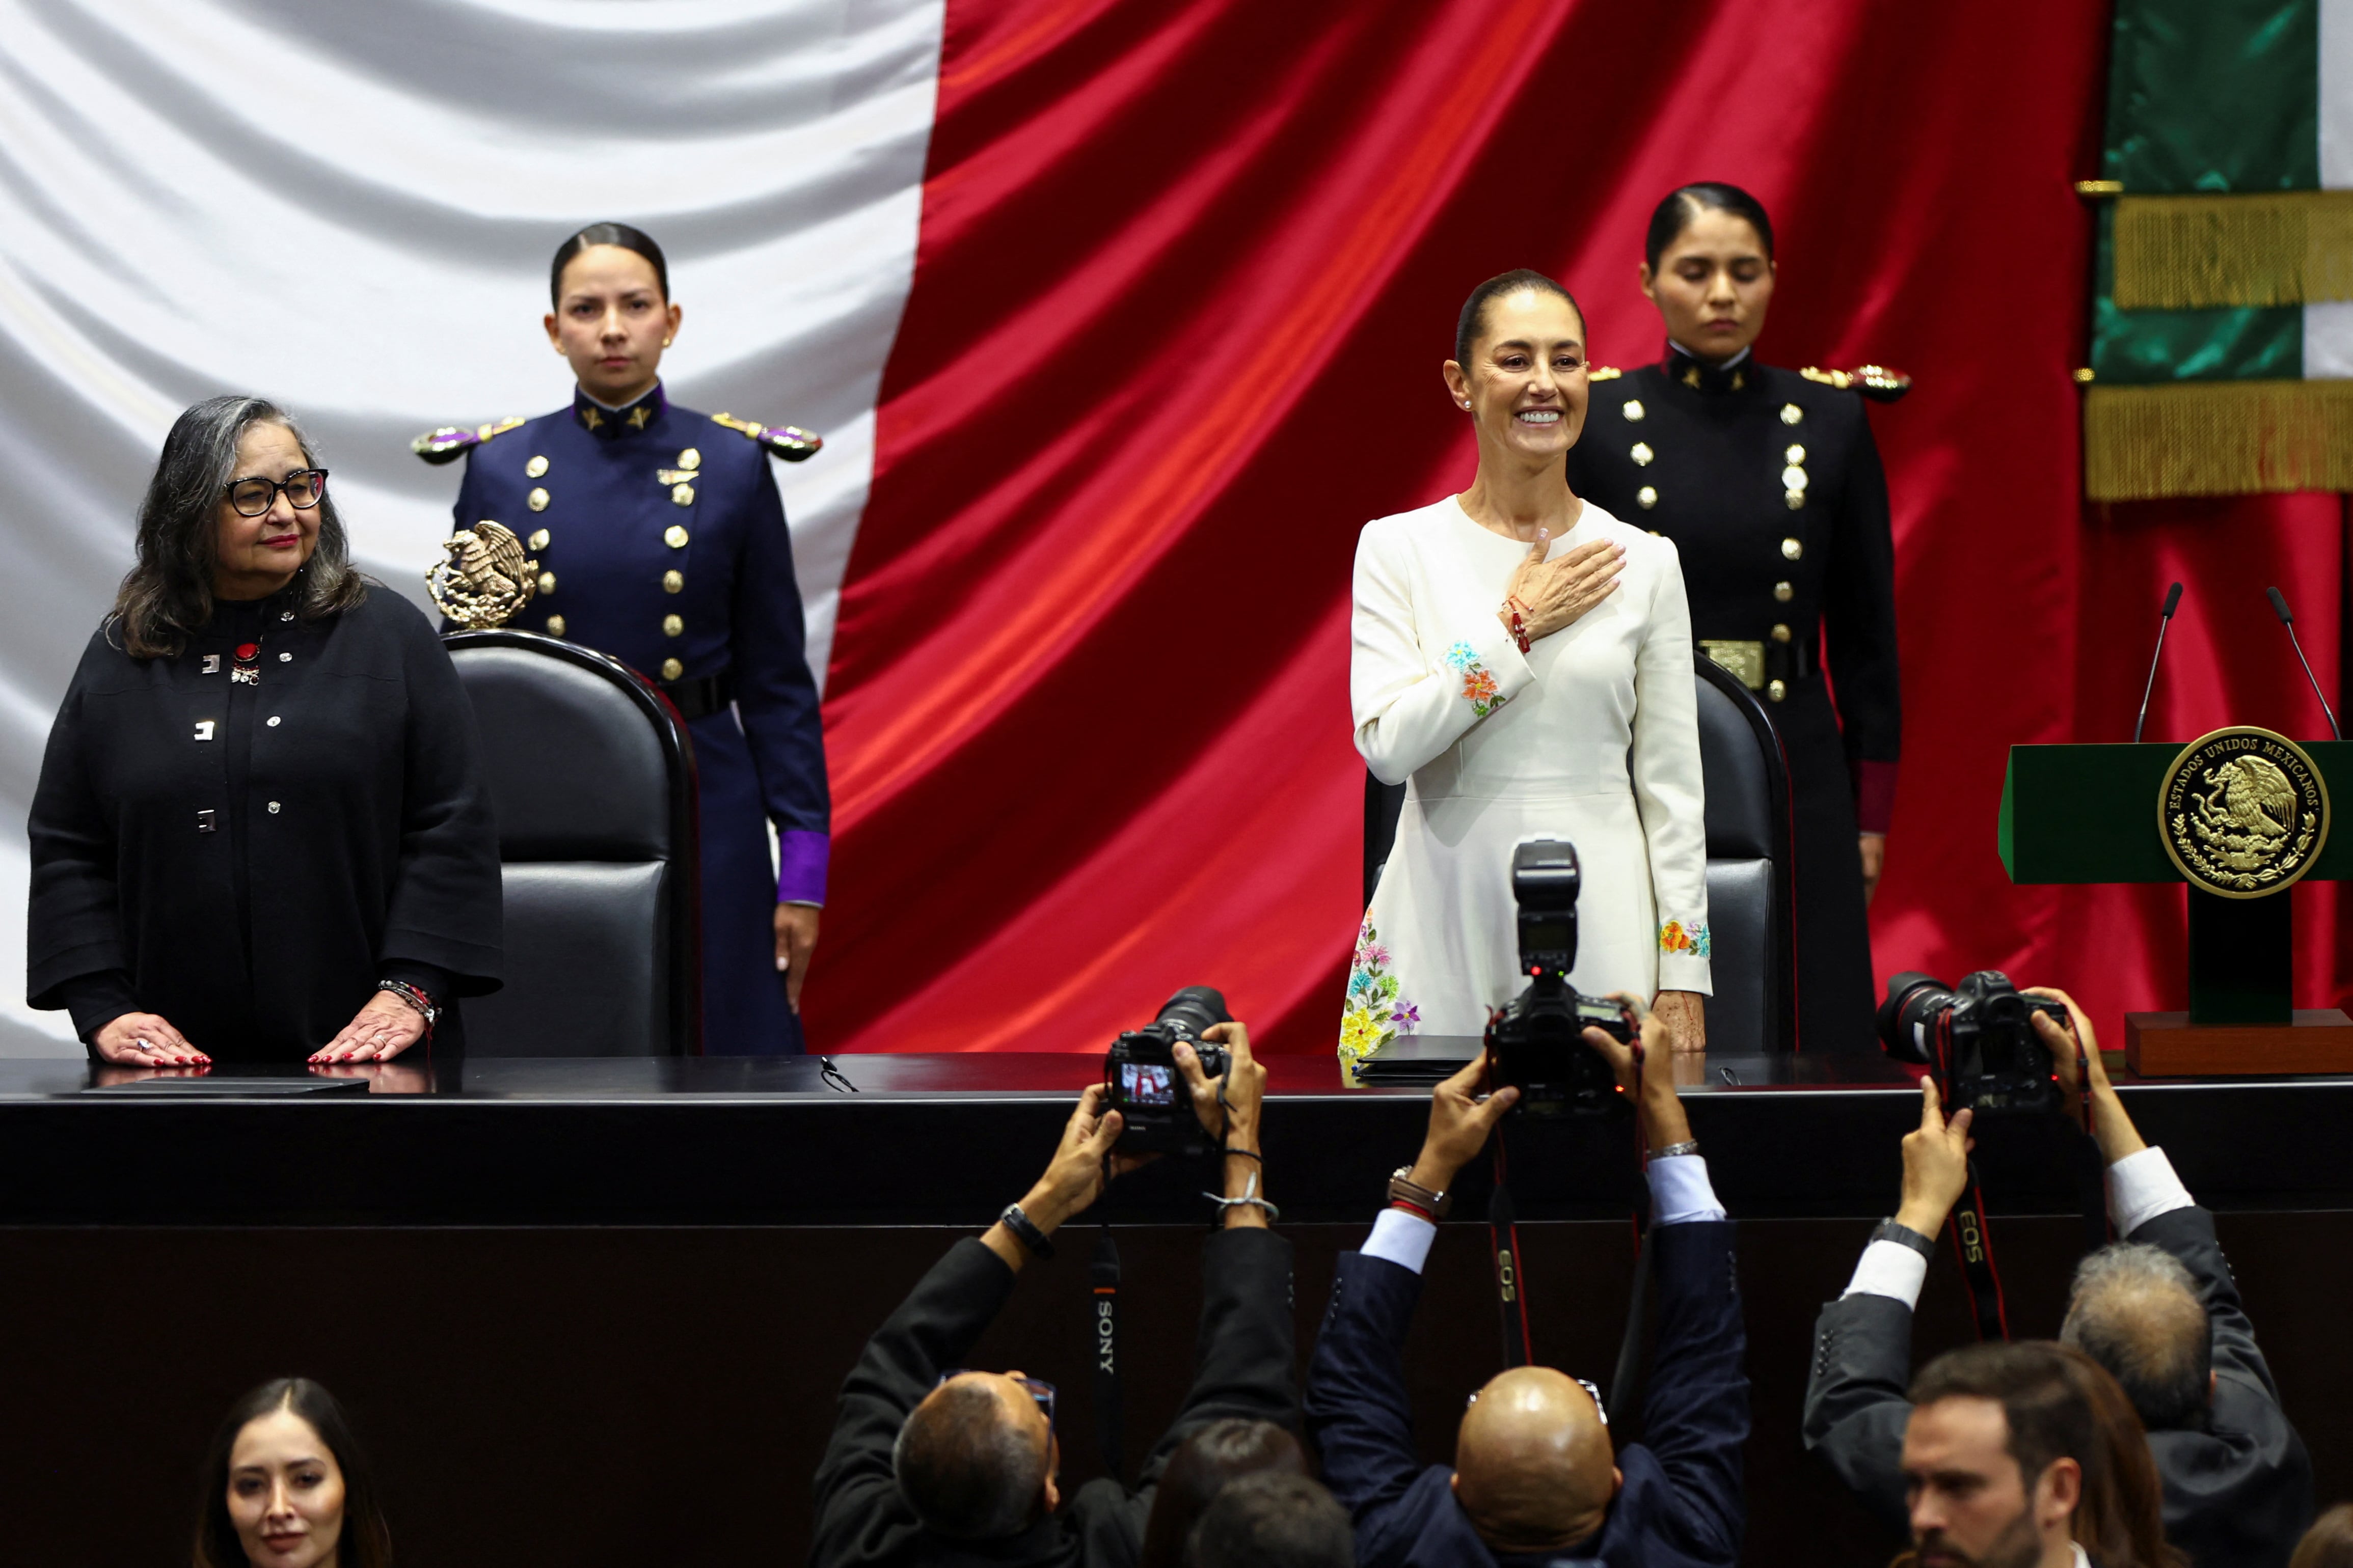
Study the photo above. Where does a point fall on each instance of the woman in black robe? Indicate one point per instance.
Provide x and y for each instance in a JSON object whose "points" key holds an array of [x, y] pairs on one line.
{"points": [[1769, 484], [260, 833]]}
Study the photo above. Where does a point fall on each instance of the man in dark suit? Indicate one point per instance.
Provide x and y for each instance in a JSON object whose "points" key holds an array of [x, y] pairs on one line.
{"points": [[930, 1463], [1532, 1472], [2159, 1311]]}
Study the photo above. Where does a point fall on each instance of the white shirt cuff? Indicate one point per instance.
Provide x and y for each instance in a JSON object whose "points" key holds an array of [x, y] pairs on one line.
{"points": [[1888, 1269], [2141, 1187], [1402, 1238], [1680, 1191]]}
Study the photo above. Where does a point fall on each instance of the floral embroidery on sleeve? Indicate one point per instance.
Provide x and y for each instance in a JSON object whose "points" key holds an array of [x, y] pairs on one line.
{"points": [[1689, 937], [1375, 1013], [1478, 681]]}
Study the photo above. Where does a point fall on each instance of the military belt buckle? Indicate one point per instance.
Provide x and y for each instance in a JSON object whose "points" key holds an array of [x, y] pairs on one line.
{"points": [[1745, 661]]}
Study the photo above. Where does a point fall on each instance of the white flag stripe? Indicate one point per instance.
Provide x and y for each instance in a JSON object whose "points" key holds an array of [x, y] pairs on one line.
{"points": [[353, 216]]}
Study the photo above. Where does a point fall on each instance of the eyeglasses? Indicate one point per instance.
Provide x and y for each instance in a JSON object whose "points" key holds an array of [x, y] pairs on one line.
{"points": [[1039, 1390], [303, 489], [1598, 1408]]}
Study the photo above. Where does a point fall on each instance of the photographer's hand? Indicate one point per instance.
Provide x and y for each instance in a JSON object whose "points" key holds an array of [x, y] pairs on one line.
{"points": [[1459, 1124], [1654, 1097], [1936, 1164], [2111, 1127], [1073, 1180], [1236, 1119]]}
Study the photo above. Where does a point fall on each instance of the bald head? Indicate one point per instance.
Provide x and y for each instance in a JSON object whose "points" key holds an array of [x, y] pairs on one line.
{"points": [[2136, 1312], [1533, 1462]]}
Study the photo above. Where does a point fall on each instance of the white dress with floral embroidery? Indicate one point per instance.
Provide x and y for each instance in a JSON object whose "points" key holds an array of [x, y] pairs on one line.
{"points": [[1592, 736]]}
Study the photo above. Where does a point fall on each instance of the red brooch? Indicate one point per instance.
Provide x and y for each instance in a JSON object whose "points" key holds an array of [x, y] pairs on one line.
{"points": [[246, 650]]}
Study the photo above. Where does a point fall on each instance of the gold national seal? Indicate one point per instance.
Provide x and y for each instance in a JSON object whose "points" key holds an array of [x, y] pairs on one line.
{"points": [[2242, 811]]}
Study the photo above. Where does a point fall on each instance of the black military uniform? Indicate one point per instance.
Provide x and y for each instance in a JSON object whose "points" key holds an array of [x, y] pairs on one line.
{"points": [[1768, 483]]}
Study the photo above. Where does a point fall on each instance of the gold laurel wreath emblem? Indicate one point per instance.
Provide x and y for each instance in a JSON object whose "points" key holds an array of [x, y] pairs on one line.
{"points": [[483, 579], [2243, 812]]}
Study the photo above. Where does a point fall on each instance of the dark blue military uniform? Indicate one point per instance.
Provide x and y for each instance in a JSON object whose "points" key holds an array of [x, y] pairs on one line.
{"points": [[660, 540], [1769, 484]]}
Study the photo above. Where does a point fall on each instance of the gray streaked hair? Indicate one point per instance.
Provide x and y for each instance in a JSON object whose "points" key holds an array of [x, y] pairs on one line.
{"points": [[968, 1473], [168, 595], [2136, 1311]]}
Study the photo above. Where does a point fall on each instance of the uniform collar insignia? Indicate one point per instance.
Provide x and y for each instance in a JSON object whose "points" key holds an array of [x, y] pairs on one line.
{"points": [[1683, 366], [610, 423]]}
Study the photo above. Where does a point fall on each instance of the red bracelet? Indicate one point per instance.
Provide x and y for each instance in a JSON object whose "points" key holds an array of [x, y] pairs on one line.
{"points": [[1413, 1208], [1519, 627]]}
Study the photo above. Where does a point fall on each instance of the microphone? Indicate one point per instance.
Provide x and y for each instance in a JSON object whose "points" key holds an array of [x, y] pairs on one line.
{"points": [[2279, 608], [2164, 619]]}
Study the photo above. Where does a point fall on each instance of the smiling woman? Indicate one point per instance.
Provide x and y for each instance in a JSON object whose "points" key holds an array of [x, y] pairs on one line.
{"points": [[1524, 658], [286, 1486]]}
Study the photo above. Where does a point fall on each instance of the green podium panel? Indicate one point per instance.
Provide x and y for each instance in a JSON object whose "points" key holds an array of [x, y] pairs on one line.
{"points": [[2089, 814]]}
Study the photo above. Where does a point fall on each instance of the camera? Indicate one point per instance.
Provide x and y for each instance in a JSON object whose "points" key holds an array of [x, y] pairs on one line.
{"points": [[1977, 1037], [1536, 1044], [1146, 1087]]}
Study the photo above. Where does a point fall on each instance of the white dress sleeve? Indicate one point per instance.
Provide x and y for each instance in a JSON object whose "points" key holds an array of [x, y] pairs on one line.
{"points": [[1409, 708], [1668, 790]]}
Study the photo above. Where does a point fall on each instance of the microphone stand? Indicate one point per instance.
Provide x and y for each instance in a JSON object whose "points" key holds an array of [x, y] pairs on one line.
{"points": [[2164, 622]]}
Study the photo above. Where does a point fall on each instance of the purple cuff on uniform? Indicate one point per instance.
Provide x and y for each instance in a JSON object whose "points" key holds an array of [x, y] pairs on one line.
{"points": [[801, 858], [1874, 795]]}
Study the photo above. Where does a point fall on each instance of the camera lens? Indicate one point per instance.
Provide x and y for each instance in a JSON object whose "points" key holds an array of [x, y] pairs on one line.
{"points": [[1913, 1002], [1195, 1009]]}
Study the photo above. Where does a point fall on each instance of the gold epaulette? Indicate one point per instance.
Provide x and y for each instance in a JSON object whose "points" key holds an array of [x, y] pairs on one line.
{"points": [[1604, 372], [790, 442], [452, 442], [1876, 382]]}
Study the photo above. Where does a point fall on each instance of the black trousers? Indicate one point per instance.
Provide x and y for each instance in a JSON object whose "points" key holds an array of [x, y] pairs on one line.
{"points": [[1835, 998]]}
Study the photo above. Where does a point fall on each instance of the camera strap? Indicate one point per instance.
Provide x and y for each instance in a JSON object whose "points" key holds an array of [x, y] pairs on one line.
{"points": [[1503, 1239], [1105, 1270], [1511, 1285], [1973, 1244]]}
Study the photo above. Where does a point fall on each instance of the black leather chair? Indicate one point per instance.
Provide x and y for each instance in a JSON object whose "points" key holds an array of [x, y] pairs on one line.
{"points": [[1749, 914], [592, 776]]}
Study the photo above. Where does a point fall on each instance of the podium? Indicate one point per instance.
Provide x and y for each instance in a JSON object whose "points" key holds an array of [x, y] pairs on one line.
{"points": [[2082, 814]]}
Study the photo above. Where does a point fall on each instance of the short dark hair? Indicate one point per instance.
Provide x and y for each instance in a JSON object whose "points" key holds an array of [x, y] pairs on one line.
{"points": [[2059, 1404], [1274, 1521], [1674, 215], [366, 1539], [1209, 1457], [968, 1473], [2136, 1309], [595, 234], [167, 596], [1473, 318]]}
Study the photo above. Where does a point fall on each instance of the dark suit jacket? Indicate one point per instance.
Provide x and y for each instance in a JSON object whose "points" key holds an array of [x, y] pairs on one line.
{"points": [[1681, 1503], [1245, 1357], [2238, 1491]]}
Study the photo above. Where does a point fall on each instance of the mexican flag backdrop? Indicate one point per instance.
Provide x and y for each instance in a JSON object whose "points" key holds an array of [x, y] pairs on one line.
{"points": [[2222, 353]]}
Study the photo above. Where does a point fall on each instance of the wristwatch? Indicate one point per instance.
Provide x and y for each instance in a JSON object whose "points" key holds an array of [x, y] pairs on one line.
{"points": [[1404, 1189], [1904, 1236], [1025, 1231]]}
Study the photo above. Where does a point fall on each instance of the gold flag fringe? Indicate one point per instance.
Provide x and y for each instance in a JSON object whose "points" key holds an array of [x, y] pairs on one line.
{"points": [[2217, 439], [2274, 248]]}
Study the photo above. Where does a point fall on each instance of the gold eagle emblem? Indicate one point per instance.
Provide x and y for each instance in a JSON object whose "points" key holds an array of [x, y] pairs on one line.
{"points": [[483, 578], [2243, 812]]}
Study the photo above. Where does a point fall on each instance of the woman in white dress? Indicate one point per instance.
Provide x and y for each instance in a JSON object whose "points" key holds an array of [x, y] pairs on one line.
{"points": [[1525, 660]]}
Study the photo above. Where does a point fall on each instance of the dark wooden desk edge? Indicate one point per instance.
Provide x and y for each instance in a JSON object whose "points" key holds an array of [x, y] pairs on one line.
{"points": [[694, 1159]]}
